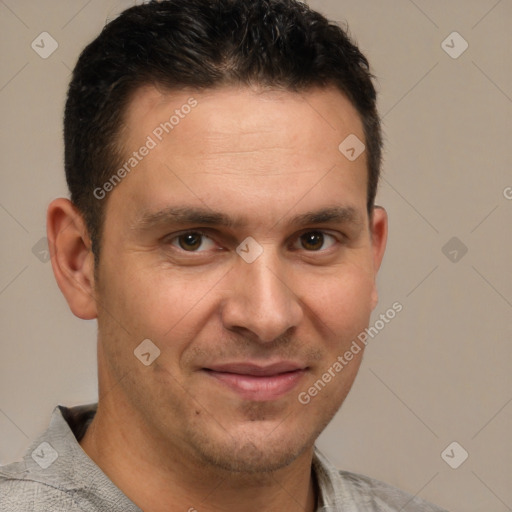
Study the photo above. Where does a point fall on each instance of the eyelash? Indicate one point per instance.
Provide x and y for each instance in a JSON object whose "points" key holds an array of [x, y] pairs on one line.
{"points": [[176, 237]]}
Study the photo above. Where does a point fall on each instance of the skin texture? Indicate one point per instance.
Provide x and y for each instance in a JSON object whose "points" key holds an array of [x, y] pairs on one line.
{"points": [[170, 435]]}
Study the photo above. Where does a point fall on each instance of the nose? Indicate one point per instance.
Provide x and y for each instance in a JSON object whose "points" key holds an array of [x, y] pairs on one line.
{"points": [[260, 299]]}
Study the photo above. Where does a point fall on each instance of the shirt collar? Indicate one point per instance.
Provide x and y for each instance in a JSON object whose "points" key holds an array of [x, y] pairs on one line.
{"points": [[56, 459]]}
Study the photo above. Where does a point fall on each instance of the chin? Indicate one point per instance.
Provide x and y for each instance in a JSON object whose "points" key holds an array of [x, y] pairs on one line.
{"points": [[251, 459], [250, 454]]}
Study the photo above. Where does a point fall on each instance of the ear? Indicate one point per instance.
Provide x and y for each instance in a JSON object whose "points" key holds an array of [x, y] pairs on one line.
{"points": [[72, 257], [379, 234]]}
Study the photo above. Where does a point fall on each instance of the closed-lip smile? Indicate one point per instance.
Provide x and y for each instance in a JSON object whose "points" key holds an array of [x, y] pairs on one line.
{"points": [[258, 382]]}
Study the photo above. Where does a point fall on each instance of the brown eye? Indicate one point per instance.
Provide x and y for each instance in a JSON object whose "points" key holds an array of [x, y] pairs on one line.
{"points": [[192, 241], [312, 241]]}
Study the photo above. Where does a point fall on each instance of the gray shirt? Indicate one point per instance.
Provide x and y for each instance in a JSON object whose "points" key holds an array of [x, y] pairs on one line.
{"points": [[57, 475]]}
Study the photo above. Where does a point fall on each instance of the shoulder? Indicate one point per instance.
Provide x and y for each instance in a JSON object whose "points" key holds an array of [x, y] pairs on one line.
{"points": [[384, 497], [20, 493], [344, 490], [46, 478], [56, 475]]}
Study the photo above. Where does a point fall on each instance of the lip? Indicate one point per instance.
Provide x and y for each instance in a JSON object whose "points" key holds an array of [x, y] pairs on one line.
{"points": [[258, 383]]}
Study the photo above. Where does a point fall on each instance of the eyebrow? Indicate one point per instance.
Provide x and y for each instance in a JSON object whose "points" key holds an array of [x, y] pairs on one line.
{"points": [[206, 217], [330, 215]]}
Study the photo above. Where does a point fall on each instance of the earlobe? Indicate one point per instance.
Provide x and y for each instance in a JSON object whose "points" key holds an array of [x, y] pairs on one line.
{"points": [[72, 257], [379, 233]]}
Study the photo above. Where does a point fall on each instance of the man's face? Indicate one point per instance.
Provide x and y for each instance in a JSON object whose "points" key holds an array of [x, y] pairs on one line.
{"points": [[239, 337]]}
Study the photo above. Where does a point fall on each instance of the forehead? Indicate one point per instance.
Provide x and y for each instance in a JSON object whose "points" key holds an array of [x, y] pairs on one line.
{"points": [[316, 114], [223, 144]]}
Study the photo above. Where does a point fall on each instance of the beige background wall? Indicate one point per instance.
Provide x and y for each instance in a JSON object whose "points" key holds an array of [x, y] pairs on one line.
{"points": [[437, 373]]}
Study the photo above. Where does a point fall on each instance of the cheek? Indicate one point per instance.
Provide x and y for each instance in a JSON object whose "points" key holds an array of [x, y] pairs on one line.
{"points": [[341, 300], [157, 303]]}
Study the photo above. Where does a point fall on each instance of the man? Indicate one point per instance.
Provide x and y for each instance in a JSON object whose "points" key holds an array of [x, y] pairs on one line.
{"points": [[223, 159]]}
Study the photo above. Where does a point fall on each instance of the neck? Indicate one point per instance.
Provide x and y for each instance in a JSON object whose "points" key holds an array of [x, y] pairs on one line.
{"points": [[158, 477]]}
